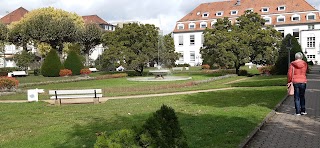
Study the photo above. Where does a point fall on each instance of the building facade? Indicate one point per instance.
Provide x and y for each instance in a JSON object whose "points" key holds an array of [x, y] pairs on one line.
{"points": [[296, 17]]}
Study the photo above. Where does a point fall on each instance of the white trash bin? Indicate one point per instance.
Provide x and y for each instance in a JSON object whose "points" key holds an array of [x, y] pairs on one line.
{"points": [[32, 95]]}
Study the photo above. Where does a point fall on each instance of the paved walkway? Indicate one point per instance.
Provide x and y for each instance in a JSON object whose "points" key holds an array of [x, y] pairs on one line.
{"points": [[285, 130]]}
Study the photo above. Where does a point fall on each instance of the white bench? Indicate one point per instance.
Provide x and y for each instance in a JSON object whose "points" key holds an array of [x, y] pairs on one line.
{"points": [[17, 73], [177, 68], [57, 95], [93, 69]]}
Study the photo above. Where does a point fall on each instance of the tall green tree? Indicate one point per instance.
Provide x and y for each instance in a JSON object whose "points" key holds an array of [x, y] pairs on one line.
{"points": [[133, 46], [24, 59], [18, 35], [89, 37], [167, 54], [3, 39], [231, 46], [50, 25]]}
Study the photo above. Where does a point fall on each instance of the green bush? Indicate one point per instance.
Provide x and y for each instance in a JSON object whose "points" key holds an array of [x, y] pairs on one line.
{"points": [[51, 65], [183, 65], [243, 72], [162, 130], [73, 63], [121, 139], [4, 71], [310, 63]]}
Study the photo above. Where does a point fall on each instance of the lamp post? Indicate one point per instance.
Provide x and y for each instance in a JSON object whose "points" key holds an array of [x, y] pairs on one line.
{"points": [[289, 46]]}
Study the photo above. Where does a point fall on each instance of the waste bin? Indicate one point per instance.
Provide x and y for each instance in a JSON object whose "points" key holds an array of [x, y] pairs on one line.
{"points": [[32, 95]]}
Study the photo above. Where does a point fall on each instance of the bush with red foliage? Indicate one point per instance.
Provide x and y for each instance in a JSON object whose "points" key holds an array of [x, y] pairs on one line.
{"points": [[65, 72]]}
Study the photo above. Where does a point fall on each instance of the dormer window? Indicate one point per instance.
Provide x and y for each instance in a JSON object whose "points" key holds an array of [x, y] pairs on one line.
{"points": [[219, 13], [265, 9], [192, 26], [213, 22], [311, 16], [281, 19], [180, 26], [234, 12], [295, 17], [203, 25], [250, 9], [281, 8], [267, 19], [205, 14]]}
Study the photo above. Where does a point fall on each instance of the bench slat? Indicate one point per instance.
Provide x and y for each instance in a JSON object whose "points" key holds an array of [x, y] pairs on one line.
{"points": [[76, 96], [65, 92]]}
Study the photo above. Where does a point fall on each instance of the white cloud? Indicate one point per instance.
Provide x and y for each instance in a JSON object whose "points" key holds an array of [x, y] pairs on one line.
{"points": [[162, 13]]}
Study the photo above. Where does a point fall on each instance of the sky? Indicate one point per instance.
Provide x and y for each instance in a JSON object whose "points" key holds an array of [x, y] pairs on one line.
{"points": [[162, 13]]}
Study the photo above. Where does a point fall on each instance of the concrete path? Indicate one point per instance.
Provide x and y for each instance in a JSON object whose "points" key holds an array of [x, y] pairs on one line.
{"points": [[286, 130]]}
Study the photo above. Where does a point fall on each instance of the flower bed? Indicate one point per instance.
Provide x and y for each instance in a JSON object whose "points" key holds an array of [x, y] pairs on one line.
{"points": [[65, 72]]}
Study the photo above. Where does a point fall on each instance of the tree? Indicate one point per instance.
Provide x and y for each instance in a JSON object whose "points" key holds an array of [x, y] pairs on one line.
{"points": [[18, 35], [89, 37], [3, 39], [50, 25], [51, 65], [133, 46], [231, 46], [73, 63], [167, 54], [24, 59]]}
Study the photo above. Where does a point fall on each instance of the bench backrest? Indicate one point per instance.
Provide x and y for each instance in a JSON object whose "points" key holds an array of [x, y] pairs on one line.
{"points": [[93, 69], [19, 72], [84, 93]]}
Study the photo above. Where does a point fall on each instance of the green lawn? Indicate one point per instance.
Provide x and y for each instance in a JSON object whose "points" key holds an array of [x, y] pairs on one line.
{"points": [[214, 119]]}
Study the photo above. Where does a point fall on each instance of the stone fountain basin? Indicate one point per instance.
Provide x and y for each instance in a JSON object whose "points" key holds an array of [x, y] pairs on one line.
{"points": [[160, 72]]}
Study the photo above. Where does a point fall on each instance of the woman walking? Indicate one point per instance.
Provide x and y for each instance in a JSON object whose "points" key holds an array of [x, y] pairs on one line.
{"points": [[297, 75]]}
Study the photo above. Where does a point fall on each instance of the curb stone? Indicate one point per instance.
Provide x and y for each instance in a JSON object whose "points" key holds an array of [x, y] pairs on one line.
{"points": [[245, 142]]}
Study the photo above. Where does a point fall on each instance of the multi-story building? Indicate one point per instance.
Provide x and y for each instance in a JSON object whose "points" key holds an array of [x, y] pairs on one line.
{"points": [[296, 17], [16, 15]]}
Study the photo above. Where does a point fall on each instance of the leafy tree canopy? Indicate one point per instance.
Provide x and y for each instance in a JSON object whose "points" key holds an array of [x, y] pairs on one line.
{"points": [[24, 59]]}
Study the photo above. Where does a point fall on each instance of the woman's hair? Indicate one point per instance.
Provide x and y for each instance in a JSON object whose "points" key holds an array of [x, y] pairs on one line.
{"points": [[299, 55]]}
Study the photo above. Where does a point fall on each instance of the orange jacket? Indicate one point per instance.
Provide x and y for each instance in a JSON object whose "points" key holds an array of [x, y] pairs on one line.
{"points": [[299, 70]]}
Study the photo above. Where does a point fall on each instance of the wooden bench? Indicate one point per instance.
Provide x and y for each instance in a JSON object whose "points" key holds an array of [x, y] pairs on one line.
{"points": [[17, 73], [93, 69], [57, 95], [177, 68]]}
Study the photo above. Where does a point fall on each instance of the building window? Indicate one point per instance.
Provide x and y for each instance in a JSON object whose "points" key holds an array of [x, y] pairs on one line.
{"points": [[180, 26], [192, 26], [296, 33], [181, 58], [180, 40], [192, 56], [220, 13], [267, 19], [234, 12], [311, 56], [282, 32], [311, 16], [281, 19], [265, 9], [295, 17], [281, 8], [205, 14], [203, 25], [250, 9], [311, 42], [310, 27], [192, 39]]}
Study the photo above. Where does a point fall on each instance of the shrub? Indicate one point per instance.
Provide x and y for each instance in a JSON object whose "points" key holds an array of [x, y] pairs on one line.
{"points": [[65, 72], [162, 130], [36, 72], [205, 66], [265, 70], [121, 139], [73, 63], [183, 65], [110, 76], [51, 65], [85, 71], [243, 72], [310, 63], [8, 83], [4, 71]]}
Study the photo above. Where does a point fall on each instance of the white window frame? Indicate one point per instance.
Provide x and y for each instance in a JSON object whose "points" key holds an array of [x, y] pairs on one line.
{"points": [[180, 40], [294, 16], [206, 13], [192, 39], [311, 56], [192, 24], [281, 8], [263, 9], [192, 58], [180, 25], [234, 12], [282, 32], [269, 18], [203, 23], [213, 22], [181, 58], [219, 13], [311, 27], [250, 9], [281, 17], [311, 41], [311, 14]]}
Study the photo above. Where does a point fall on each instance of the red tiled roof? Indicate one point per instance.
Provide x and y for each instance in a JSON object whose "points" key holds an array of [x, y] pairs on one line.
{"points": [[93, 19], [14, 16], [300, 7]]}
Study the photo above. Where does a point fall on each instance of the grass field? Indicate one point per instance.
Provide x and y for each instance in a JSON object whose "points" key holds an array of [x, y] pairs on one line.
{"points": [[213, 119]]}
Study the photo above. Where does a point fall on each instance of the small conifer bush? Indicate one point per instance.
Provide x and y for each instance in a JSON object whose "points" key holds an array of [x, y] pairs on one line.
{"points": [[51, 65], [73, 63]]}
